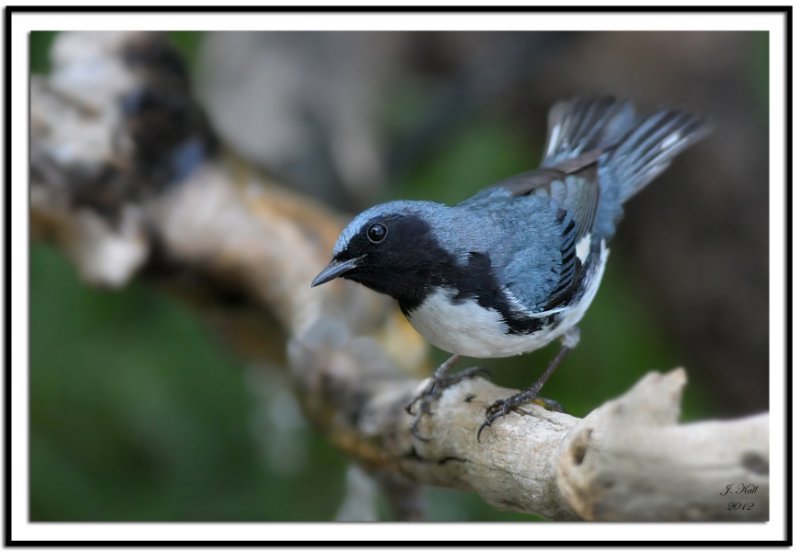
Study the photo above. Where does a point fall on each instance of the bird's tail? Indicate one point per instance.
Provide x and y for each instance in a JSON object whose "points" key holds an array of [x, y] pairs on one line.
{"points": [[632, 150], [635, 149], [647, 149], [582, 125]]}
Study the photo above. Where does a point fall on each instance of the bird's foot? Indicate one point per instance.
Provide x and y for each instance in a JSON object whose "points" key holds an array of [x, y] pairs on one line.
{"points": [[431, 394], [501, 407]]}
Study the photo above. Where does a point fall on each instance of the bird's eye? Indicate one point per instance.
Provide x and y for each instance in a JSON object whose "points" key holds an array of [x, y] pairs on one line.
{"points": [[377, 233]]}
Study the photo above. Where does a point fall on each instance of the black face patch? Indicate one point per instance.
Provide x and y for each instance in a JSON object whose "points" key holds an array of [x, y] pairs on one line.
{"points": [[404, 264], [409, 264]]}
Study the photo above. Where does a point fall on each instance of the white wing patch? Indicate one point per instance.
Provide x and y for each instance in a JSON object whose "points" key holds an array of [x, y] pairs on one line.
{"points": [[583, 246]]}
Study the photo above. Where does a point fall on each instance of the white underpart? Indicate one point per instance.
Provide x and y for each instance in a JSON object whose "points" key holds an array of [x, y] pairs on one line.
{"points": [[582, 247], [470, 330]]}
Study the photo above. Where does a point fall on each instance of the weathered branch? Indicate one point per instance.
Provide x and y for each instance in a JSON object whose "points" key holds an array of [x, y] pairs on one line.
{"points": [[221, 234]]}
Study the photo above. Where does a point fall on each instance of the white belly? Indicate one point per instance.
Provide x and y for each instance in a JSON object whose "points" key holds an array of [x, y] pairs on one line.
{"points": [[470, 330]]}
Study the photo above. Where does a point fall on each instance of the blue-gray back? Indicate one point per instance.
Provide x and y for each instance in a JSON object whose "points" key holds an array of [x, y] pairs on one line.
{"points": [[525, 239]]}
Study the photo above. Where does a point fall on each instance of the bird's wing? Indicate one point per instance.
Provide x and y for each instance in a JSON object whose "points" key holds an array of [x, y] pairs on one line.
{"points": [[540, 266], [572, 184], [574, 187]]}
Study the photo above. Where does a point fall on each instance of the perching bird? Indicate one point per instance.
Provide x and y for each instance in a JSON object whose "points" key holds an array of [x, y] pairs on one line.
{"points": [[515, 266]]}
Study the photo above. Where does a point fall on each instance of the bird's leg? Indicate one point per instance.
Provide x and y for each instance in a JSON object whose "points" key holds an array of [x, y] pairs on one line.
{"points": [[438, 383], [501, 407]]}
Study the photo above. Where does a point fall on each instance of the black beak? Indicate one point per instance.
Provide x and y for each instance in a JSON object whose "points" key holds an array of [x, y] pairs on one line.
{"points": [[336, 269]]}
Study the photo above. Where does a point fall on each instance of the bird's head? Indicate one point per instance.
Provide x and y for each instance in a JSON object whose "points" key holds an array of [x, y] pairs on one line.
{"points": [[389, 248]]}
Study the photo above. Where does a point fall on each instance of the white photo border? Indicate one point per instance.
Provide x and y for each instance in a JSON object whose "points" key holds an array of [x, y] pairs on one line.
{"points": [[19, 24]]}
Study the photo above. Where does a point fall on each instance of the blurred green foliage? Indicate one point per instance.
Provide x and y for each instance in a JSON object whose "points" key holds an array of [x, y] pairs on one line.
{"points": [[137, 412], [187, 43], [761, 66], [41, 41]]}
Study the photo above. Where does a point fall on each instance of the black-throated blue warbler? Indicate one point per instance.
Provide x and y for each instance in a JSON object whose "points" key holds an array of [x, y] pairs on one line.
{"points": [[515, 266]]}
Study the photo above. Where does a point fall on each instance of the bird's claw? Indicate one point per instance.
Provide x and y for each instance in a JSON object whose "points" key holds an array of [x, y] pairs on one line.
{"points": [[497, 409], [432, 392], [501, 407]]}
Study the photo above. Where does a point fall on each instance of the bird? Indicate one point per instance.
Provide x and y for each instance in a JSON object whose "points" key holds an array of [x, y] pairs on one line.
{"points": [[515, 266]]}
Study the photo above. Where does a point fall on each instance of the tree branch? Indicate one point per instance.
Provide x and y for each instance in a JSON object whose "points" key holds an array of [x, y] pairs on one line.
{"points": [[124, 199]]}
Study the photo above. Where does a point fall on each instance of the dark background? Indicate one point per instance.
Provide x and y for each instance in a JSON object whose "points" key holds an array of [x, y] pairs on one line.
{"points": [[140, 412]]}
